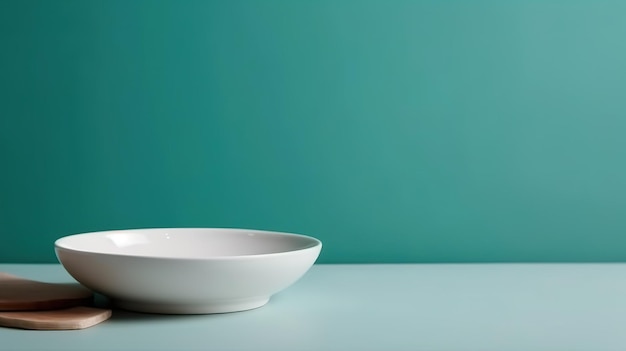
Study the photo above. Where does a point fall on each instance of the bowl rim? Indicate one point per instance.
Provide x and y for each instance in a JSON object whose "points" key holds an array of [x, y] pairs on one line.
{"points": [[315, 244]]}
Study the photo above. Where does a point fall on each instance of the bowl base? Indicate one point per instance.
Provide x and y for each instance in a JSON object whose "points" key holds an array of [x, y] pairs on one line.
{"points": [[223, 306]]}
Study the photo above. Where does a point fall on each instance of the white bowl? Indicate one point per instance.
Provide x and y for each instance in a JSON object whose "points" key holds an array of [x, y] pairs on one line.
{"points": [[187, 270]]}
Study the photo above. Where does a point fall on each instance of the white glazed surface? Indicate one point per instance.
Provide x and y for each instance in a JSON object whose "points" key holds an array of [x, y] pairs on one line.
{"points": [[187, 270]]}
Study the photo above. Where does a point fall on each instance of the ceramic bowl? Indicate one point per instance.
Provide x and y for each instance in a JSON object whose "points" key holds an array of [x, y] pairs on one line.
{"points": [[187, 270]]}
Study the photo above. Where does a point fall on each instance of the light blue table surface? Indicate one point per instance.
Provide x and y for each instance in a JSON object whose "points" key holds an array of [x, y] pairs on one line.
{"points": [[380, 307]]}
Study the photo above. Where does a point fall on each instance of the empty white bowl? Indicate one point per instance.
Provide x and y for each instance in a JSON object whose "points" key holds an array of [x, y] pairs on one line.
{"points": [[187, 270]]}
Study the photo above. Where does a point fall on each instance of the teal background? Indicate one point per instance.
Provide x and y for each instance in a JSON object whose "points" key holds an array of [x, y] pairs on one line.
{"points": [[394, 131]]}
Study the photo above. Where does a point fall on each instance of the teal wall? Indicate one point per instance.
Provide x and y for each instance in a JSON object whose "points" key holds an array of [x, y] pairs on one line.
{"points": [[394, 131]]}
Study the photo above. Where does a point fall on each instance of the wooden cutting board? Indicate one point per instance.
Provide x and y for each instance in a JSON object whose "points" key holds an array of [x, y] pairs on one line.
{"points": [[29, 304], [18, 294], [66, 319]]}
